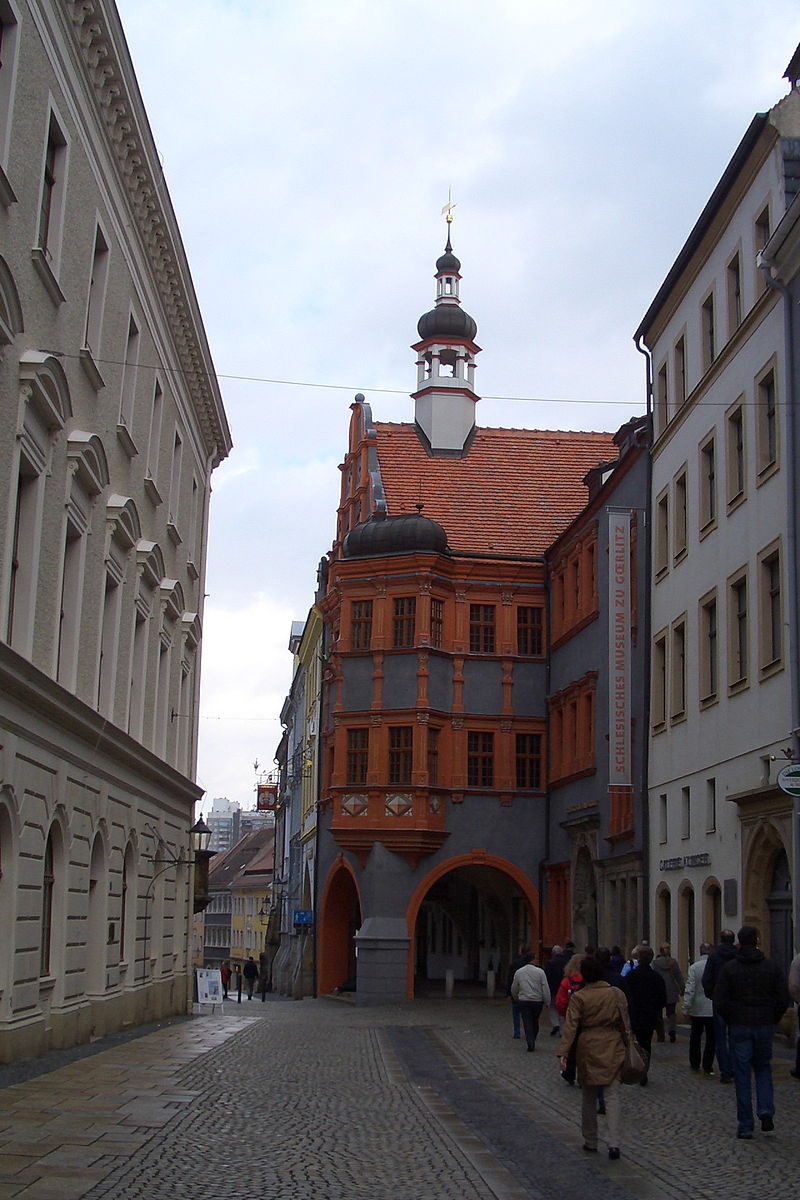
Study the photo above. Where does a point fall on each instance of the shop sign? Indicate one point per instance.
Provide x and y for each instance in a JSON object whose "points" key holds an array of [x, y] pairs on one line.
{"points": [[789, 779]]}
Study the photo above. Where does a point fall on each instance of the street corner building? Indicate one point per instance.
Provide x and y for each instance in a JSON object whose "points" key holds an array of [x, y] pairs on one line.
{"points": [[111, 423], [472, 794]]}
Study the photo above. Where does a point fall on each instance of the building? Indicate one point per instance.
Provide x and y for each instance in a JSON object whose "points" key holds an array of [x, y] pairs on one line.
{"points": [[223, 821], [239, 886], [433, 827], [111, 424], [723, 597]]}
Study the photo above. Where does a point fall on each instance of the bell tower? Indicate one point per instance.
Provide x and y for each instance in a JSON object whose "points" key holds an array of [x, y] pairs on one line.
{"points": [[445, 399]]}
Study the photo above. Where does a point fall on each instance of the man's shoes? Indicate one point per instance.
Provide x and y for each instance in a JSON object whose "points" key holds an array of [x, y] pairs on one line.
{"points": [[643, 1081], [767, 1123], [590, 1149], [531, 1049], [613, 1152], [745, 1135], [707, 1072]]}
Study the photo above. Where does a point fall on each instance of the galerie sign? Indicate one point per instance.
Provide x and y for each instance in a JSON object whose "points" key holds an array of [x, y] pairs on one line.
{"points": [[619, 648]]}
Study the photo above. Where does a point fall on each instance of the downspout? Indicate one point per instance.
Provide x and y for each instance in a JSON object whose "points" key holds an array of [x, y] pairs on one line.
{"points": [[646, 627], [545, 859], [766, 266]]}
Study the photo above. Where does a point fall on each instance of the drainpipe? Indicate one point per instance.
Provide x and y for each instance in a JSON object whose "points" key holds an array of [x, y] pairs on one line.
{"points": [[766, 266], [646, 627]]}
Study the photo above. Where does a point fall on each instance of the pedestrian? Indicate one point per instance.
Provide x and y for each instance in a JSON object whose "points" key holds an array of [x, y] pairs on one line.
{"points": [[225, 974], [722, 953], [647, 996], [632, 962], [672, 975], [554, 970], [617, 958], [529, 989], [700, 1011], [599, 1013], [523, 957], [610, 971], [794, 992], [250, 976], [571, 983], [751, 994]]}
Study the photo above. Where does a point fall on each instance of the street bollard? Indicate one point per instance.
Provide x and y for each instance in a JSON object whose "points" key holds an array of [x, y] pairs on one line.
{"points": [[239, 986]]}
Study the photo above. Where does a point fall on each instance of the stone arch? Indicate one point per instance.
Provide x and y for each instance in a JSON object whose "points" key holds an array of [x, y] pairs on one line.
{"points": [[663, 914], [129, 906], [686, 940], [53, 896], [97, 917], [764, 847], [711, 918], [339, 921], [9, 846], [584, 899]]}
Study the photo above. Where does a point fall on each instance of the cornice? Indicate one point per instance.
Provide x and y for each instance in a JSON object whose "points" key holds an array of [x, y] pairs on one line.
{"points": [[111, 79]]}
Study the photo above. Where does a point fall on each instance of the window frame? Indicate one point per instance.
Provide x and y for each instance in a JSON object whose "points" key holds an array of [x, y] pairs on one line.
{"points": [[678, 676], [708, 331], [482, 628], [680, 523], [770, 622], [530, 630], [767, 423], [400, 758], [738, 631], [708, 505], [480, 758], [357, 756], [735, 455], [360, 624], [404, 622], [708, 639]]}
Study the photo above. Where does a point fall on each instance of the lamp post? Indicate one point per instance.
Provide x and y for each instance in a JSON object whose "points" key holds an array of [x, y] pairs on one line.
{"points": [[201, 836]]}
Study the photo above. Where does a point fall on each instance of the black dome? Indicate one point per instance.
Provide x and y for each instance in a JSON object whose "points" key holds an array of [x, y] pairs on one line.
{"points": [[446, 321], [406, 533], [448, 262]]}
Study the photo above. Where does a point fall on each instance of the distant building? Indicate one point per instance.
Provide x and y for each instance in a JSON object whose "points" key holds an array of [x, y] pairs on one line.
{"points": [[111, 423], [223, 821]]}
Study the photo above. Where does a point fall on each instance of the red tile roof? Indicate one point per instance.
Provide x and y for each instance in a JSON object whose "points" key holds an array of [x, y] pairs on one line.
{"points": [[513, 493]]}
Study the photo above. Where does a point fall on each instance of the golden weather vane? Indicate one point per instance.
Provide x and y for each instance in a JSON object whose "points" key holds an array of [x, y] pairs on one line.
{"points": [[447, 211]]}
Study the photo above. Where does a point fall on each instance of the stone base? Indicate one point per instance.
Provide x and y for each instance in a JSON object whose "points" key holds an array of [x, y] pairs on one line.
{"points": [[382, 946]]}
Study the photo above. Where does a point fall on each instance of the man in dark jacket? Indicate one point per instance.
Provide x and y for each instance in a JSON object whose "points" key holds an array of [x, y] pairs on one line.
{"points": [[554, 970], [647, 996], [724, 952], [751, 995]]}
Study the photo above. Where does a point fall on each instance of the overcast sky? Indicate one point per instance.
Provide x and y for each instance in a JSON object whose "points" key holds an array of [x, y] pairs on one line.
{"points": [[309, 145]]}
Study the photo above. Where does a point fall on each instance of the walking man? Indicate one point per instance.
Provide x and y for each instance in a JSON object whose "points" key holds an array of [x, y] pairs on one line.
{"points": [[250, 976], [699, 1009], [724, 952], [752, 996], [530, 990], [647, 996], [523, 957]]}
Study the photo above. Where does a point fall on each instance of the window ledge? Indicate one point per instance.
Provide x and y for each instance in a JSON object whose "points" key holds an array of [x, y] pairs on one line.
{"points": [[707, 528], [7, 194], [45, 273], [767, 472], [191, 570], [151, 488], [680, 555], [770, 669], [90, 369], [173, 534], [736, 502], [126, 441], [709, 701], [739, 686]]}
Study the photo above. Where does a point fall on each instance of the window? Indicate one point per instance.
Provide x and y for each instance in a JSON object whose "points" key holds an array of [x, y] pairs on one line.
{"points": [[678, 671], [433, 756], [734, 290], [154, 437], [357, 755], [679, 542], [662, 534], [709, 649], [9, 41], [766, 422], [711, 805], [658, 714], [529, 760], [708, 331], [770, 609], [686, 812], [529, 630], [761, 237], [48, 885], [401, 753], [361, 624], [708, 484], [130, 369], [738, 640], [663, 814], [680, 372], [662, 398], [481, 628], [69, 622], [480, 759], [51, 204], [97, 293], [572, 725], [175, 480], [403, 621], [735, 453], [437, 622]]}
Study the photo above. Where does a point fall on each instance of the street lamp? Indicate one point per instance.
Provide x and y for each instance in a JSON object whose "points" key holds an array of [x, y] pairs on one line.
{"points": [[201, 837]]}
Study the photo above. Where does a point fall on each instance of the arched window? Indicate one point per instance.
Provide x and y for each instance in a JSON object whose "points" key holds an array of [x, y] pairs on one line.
{"points": [[663, 915], [48, 886]]}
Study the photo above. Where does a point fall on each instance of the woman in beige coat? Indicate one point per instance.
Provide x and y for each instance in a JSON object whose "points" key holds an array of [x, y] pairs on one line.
{"points": [[597, 1016]]}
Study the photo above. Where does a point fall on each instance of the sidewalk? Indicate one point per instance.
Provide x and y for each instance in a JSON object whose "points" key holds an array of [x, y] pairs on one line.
{"points": [[320, 1100]]}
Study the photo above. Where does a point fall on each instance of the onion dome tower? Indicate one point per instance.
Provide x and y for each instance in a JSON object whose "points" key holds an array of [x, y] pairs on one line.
{"points": [[445, 399]]}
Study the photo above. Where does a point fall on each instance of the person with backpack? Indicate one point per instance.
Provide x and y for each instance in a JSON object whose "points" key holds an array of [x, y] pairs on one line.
{"points": [[571, 983]]}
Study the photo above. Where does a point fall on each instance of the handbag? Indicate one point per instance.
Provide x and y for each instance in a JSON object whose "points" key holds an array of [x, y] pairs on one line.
{"points": [[633, 1066]]}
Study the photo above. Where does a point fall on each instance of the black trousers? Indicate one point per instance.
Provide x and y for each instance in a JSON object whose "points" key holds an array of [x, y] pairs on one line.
{"points": [[700, 1026], [529, 1011]]}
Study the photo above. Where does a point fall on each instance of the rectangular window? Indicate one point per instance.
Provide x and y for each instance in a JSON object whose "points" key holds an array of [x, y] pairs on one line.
{"points": [[771, 609], [481, 628], [357, 755], [659, 681], [663, 823], [433, 757], [437, 623], [709, 648], [51, 205], [9, 41], [680, 372], [734, 290], [361, 624], [708, 330], [686, 812], [480, 759], [739, 635], [678, 671], [735, 453], [529, 760], [175, 480], [529, 630], [766, 422], [662, 533], [97, 294], [680, 526], [761, 237], [401, 753], [711, 805], [130, 369], [662, 399], [708, 484], [404, 621]]}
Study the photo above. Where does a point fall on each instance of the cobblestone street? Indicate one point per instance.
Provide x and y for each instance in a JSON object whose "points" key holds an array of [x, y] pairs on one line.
{"points": [[318, 1098]]}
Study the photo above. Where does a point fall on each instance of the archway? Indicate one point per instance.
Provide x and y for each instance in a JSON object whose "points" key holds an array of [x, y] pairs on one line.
{"points": [[768, 889], [97, 920], [340, 920], [779, 906], [469, 916], [663, 915], [584, 901]]}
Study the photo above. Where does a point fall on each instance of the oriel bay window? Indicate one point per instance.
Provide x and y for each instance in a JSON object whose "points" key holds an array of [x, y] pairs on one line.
{"points": [[433, 756], [401, 753], [481, 628], [480, 759], [404, 621], [361, 624], [357, 755]]}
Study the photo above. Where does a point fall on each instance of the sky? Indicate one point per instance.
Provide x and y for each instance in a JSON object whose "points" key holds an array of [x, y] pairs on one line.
{"points": [[309, 146]]}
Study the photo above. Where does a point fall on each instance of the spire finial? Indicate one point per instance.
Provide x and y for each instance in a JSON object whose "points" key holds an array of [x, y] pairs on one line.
{"points": [[447, 213]]}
